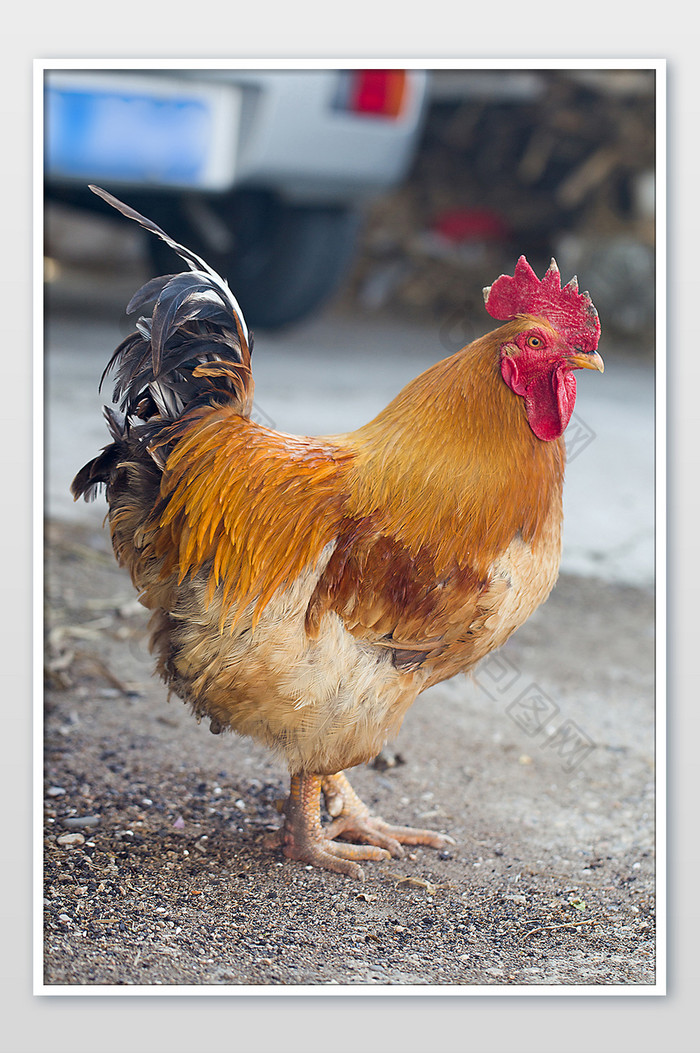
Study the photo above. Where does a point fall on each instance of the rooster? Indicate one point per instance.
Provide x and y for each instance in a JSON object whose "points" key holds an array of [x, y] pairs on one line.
{"points": [[305, 590]]}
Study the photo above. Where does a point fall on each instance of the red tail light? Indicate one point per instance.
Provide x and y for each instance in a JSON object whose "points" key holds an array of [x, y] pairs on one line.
{"points": [[378, 92]]}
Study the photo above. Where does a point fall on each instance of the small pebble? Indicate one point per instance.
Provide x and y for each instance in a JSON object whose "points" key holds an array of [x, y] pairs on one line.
{"points": [[70, 839], [72, 822], [55, 791]]}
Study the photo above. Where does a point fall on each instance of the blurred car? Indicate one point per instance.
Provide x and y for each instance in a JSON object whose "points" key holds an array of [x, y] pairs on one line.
{"points": [[263, 172]]}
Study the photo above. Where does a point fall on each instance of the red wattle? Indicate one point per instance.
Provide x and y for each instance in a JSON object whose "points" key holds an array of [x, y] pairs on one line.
{"points": [[549, 397]]}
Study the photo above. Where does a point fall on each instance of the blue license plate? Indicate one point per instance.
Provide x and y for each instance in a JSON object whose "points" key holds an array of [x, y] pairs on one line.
{"points": [[127, 135]]}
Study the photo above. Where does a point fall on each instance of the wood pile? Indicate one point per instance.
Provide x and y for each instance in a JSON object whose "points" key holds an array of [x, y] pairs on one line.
{"points": [[564, 169]]}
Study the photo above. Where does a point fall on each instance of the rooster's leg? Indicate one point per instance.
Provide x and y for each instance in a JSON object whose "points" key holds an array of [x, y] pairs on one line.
{"points": [[352, 819], [303, 838]]}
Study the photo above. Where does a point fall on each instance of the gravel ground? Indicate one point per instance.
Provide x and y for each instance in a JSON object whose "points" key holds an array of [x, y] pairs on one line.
{"points": [[156, 867]]}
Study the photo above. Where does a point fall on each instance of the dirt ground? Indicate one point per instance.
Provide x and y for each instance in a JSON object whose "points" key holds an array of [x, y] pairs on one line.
{"points": [[541, 767]]}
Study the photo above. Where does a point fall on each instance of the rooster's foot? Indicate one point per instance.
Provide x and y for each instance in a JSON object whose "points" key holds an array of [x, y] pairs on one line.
{"points": [[302, 837], [353, 820]]}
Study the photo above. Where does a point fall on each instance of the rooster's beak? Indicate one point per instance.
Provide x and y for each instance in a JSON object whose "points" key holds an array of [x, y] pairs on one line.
{"points": [[591, 360]]}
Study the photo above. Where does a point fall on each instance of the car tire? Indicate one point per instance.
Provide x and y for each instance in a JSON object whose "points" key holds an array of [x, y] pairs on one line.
{"points": [[282, 261]]}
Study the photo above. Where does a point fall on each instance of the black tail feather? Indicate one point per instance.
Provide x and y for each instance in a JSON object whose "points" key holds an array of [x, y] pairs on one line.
{"points": [[194, 348], [194, 262]]}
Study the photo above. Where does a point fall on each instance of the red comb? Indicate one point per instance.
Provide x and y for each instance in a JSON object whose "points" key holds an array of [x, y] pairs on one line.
{"points": [[569, 311]]}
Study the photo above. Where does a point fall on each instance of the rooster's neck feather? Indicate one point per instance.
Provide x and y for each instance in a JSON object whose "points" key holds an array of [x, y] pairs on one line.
{"points": [[452, 463]]}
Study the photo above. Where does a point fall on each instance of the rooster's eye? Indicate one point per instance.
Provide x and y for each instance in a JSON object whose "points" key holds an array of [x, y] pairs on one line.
{"points": [[534, 341]]}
